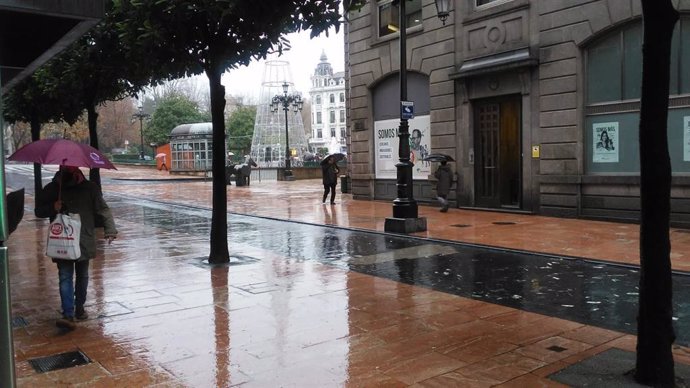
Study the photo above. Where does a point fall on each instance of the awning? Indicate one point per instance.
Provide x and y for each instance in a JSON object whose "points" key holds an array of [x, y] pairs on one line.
{"points": [[34, 31], [495, 63]]}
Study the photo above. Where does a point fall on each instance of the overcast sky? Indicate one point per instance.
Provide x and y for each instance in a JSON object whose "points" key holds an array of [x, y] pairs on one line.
{"points": [[303, 57]]}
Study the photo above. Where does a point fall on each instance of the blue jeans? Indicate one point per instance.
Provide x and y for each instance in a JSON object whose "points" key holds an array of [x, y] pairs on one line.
{"points": [[72, 292]]}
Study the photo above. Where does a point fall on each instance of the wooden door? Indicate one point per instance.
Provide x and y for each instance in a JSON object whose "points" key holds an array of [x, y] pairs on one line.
{"points": [[497, 154]]}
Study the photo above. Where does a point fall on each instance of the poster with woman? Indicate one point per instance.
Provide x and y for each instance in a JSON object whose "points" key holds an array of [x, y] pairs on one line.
{"points": [[605, 142]]}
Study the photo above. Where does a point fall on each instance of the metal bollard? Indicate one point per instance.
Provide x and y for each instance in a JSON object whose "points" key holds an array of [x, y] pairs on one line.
{"points": [[7, 376]]}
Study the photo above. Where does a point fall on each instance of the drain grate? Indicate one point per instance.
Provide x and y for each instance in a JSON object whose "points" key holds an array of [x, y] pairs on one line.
{"points": [[504, 223], [461, 225], [556, 348], [18, 322], [59, 361]]}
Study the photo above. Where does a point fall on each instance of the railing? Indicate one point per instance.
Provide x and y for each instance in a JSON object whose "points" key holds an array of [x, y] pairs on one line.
{"points": [[266, 174]]}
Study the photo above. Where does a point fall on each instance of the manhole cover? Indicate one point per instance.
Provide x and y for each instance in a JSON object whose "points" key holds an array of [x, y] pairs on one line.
{"points": [[461, 225], [59, 361], [504, 223], [19, 322]]}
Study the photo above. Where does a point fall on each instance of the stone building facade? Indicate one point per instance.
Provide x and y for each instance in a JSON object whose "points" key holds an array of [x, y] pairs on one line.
{"points": [[327, 95], [537, 101]]}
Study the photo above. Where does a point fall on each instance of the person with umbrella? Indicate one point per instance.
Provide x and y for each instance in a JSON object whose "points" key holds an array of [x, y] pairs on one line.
{"points": [[444, 178], [70, 192], [330, 172], [162, 156]]}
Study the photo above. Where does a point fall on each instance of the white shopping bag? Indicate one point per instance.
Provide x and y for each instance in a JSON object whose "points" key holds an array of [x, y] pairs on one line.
{"points": [[63, 237]]}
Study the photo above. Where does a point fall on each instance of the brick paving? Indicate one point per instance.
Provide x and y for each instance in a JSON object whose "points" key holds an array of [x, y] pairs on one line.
{"points": [[158, 321]]}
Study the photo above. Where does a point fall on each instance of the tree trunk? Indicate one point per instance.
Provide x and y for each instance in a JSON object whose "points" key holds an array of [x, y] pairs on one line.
{"points": [[655, 333], [94, 173], [36, 135], [219, 216]]}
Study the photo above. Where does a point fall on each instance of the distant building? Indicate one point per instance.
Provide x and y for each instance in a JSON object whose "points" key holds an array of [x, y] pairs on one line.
{"points": [[327, 94], [191, 146]]}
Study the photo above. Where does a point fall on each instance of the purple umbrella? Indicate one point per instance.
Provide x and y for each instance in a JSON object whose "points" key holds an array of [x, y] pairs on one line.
{"points": [[62, 152]]}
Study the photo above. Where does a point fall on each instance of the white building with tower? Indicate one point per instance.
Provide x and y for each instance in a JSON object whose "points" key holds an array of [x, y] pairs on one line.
{"points": [[327, 95]]}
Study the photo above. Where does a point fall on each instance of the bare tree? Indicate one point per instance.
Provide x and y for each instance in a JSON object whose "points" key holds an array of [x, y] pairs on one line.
{"points": [[193, 88], [115, 123], [20, 134]]}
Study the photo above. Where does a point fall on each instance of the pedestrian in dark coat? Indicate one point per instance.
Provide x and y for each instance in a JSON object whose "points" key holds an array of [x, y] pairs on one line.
{"points": [[444, 179], [70, 192], [330, 173]]}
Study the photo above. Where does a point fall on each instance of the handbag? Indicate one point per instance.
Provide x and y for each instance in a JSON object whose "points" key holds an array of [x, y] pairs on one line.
{"points": [[63, 237]]}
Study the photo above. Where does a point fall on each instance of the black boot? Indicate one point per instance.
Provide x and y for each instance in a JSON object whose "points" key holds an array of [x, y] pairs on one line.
{"points": [[66, 323], [80, 314]]}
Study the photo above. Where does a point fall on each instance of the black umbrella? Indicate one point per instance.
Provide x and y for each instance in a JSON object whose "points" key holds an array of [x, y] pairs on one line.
{"points": [[438, 158], [336, 158]]}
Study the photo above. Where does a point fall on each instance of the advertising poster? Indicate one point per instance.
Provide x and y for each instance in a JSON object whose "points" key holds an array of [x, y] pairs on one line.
{"points": [[386, 147], [605, 142], [686, 139]]}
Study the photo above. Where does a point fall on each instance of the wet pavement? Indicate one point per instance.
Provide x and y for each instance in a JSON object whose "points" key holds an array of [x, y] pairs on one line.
{"points": [[305, 304]]}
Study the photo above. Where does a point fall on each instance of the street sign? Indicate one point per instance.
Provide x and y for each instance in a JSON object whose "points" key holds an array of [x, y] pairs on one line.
{"points": [[406, 110]]}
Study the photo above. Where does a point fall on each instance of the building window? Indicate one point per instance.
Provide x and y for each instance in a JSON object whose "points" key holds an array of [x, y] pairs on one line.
{"points": [[480, 3], [319, 133], [332, 117], [342, 115], [342, 97], [342, 133], [318, 99], [332, 97], [191, 155], [332, 132], [318, 117], [614, 64], [389, 16], [613, 75]]}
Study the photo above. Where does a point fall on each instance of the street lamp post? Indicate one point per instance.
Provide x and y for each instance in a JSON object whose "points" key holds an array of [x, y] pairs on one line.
{"points": [[153, 149], [286, 100], [405, 211], [141, 116]]}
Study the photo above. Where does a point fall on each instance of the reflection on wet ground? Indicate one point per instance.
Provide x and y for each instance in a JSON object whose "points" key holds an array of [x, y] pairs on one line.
{"points": [[304, 311], [588, 292]]}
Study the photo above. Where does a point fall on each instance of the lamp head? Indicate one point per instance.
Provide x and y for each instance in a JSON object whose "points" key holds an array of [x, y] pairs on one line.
{"points": [[443, 10]]}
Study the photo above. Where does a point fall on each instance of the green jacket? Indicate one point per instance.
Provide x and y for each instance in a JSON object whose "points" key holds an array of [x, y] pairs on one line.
{"points": [[85, 199]]}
